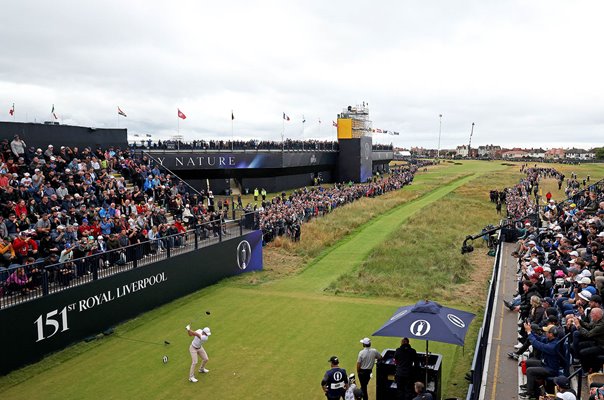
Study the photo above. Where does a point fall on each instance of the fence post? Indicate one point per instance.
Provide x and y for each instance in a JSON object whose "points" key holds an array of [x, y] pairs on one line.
{"points": [[220, 229], [95, 269], [196, 237], [134, 259], [45, 283], [241, 226]]}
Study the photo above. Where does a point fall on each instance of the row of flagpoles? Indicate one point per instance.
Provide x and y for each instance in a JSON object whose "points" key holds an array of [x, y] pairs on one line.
{"points": [[182, 115]]}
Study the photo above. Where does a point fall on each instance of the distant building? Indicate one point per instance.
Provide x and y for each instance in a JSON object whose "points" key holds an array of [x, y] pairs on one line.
{"points": [[488, 151], [462, 151], [555, 154], [579, 154], [536, 153], [514, 154]]}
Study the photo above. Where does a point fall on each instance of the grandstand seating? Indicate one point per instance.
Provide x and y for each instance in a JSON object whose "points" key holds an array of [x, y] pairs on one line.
{"points": [[560, 247]]}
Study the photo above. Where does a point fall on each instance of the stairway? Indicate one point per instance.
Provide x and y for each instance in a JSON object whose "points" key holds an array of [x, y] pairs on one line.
{"points": [[130, 188]]}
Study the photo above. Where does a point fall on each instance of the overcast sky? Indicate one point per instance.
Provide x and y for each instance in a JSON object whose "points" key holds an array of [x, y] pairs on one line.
{"points": [[528, 73]]}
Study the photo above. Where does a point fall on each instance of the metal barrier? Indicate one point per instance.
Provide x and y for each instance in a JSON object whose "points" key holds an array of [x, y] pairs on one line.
{"points": [[477, 371], [45, 278]]}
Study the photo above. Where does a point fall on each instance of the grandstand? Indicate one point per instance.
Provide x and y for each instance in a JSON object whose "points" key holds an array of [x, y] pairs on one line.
{"points": [[542, 328]]}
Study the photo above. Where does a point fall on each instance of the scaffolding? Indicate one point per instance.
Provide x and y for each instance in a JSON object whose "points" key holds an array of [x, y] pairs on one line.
{"points": [[359, 116]]}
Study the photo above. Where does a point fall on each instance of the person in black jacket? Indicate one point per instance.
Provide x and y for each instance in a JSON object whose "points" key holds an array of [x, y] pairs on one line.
{"points": [[406, 362]]}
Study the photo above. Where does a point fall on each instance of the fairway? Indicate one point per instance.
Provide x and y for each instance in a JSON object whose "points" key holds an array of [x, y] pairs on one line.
{"points": [[272, 339]]}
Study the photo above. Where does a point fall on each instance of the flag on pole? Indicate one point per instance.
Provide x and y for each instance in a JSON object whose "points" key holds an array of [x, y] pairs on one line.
{"points": [[53, 112], [334, 123], [303, 119], [181, 114], [120, 112], [12, 110], [319, 120], [148, 134], [285, 117], [232, 116]]}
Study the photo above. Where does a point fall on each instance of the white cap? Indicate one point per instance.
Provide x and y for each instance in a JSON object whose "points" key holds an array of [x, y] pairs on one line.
{"points": [[100, 237], [585, 280], [206, 330], [574, 253], [601, 234], [566, 396], [585, 295], [547, 268], [366, 341]]}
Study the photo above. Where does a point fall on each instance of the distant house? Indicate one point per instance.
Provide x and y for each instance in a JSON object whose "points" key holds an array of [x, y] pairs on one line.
{"points": [[536, 153], [514, 154], [462, 151], [579, 154], [489, 151], [555, 154]]}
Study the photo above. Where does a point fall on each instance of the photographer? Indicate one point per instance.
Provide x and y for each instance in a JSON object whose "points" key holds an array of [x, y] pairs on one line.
{"points": [[549, 363]]}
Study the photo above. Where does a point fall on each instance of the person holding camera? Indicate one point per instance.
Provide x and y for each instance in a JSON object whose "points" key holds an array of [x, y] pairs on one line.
{"points": [[548, 365]]}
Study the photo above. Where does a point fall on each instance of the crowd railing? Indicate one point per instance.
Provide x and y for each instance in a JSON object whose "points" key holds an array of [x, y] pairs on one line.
{"points": [[56, 277]]}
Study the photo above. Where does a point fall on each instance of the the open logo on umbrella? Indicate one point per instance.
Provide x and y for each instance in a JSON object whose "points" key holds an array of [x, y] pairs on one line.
{"points": [[420, 328]]}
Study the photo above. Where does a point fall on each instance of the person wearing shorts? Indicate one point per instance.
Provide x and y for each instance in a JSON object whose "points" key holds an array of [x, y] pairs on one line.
{"points": [[196, 349]]}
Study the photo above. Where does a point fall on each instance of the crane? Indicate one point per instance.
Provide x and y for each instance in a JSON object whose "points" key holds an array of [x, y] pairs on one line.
{"points": [[470, 142]]}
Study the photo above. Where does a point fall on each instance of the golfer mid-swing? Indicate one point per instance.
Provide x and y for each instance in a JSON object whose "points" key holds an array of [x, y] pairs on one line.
{"points": [[196, 349]]}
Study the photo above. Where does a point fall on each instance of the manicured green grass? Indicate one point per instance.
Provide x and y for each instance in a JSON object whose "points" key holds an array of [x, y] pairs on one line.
{"points": [[273, 339]]}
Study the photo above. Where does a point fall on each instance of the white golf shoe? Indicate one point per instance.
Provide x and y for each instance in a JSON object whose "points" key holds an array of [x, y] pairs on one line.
{"points": [[193, 379], [203, 370]]}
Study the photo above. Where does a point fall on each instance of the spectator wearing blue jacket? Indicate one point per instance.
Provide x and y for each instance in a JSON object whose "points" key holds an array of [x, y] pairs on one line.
{"points": [[548, 365]]}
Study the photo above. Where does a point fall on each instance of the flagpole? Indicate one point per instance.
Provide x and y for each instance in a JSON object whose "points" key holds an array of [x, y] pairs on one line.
{"points": [[177, 131], [232, 132], [282, 133]]}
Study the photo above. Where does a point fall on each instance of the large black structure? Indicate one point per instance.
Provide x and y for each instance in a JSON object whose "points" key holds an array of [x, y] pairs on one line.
{"points": [[274, 170], [41, 135]]}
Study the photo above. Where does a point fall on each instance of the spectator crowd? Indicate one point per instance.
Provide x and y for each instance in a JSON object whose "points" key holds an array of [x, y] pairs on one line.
{"points": [[61, 205], [284, 214], [252, 145], [560, 281]]}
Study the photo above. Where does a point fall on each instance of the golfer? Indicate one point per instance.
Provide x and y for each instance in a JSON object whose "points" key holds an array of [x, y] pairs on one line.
{"points": [[196, 349]]}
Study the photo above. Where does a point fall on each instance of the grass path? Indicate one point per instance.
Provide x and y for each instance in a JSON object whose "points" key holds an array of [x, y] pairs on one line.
{"points": [[353, 250]]}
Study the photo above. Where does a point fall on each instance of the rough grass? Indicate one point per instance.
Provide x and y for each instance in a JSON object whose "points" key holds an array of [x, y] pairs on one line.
{"points": [[283, 257]]}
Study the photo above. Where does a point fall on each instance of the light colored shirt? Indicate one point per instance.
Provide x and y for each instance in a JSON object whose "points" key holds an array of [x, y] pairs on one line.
{"points": [[367, 357], [199, 341]]}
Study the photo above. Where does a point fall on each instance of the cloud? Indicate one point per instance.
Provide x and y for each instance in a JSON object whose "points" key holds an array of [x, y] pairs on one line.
{"points": [[526, 73]]}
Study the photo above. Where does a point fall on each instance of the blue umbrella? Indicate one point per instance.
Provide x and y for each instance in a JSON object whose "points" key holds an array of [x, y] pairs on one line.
{"points": [[428, 320]]}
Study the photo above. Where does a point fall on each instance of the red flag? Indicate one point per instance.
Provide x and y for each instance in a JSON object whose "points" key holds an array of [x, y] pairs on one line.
{"points": [[120, 112], [181, 114], [285, 117], [12, 110], [334, 123]]}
